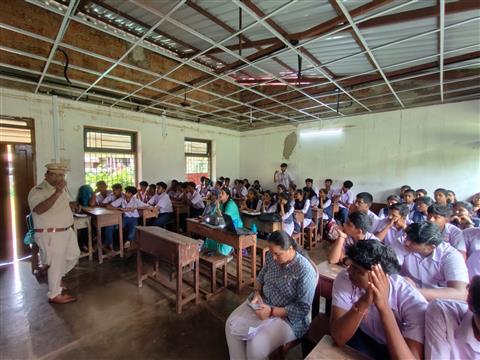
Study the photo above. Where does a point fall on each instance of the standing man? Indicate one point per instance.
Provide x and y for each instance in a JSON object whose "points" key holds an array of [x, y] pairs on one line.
{"points": [[51, 206], [283, 176]]}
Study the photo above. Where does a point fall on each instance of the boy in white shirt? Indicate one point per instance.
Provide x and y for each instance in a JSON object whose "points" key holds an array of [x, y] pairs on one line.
{"points": [[161, 201]]}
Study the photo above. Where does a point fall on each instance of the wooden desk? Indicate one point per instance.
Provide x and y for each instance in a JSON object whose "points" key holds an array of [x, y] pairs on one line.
{"points": [[84, 223], [326, 349], [148, 214], [327, 273], [171, 248], [263, 226], [238, 242], [105, 217], [180, 208]]}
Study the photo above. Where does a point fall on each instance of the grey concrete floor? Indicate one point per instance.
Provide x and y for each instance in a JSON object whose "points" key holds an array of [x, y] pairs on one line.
{"points": [[113, 318]]}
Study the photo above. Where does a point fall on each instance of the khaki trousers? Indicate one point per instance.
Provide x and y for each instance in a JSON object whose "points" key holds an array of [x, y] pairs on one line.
{"points": [[58, 250]]}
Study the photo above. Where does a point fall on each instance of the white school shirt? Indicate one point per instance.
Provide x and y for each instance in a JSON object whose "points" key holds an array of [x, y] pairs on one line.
{"points": [[454, 237], [395, 238], [271, 208], [288, 228], [111, 198], [284, 178], [406, 302], [374, 219], [449, 332], [473, 264], [346, 198], [162, 202], [134, 203], [197, 200], [434, 271], [99, 198], [472, 239]]}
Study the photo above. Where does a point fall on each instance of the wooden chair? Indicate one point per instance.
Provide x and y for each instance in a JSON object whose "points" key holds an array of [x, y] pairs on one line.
{"points": [[311, 230], [213, 263], [298, 237], [281, 351], [262, 249]]}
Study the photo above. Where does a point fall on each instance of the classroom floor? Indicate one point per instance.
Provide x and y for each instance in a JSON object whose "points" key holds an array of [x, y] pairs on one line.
{"points": [[113, 318]]}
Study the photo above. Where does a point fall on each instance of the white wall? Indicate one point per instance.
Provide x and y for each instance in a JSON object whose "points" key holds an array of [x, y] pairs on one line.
{"points": [[161, 158], [428, 147]]}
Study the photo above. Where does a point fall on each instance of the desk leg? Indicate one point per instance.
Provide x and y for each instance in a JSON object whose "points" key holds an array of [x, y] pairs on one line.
{"points": [[254, 263], [99, 244], [177, 215], [139, 268], [239, 268], [196, 281], [90, 246], [120, 235], [179, 288]]}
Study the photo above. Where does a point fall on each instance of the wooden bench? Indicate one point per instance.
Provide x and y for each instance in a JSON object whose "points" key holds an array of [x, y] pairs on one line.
{"points": [[213, 263], [298, 237], [262, 245]]}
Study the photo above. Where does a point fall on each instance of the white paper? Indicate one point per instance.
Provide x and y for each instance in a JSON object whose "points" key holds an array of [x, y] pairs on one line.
{"points": [[247, 324]]}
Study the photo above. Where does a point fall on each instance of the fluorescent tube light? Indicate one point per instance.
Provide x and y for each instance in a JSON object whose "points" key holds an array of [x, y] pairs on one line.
{"points": [[321, 133]]}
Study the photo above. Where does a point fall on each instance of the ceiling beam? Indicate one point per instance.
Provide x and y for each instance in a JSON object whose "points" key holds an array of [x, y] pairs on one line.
{"points": [[442, 44], [412, 15]]}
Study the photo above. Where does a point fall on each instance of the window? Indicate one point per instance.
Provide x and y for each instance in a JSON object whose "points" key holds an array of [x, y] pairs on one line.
{"points": [[197, 159], [111, 156]]}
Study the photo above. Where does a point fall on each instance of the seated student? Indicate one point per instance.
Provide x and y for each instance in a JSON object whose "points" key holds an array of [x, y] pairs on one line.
{"points": [[440, 215], [343, 198], [409, 200], [327, 183], [403, 188], [310, 194], [303, 204], [129, 204], [452, 328], [451, 197], [421, 209], [212, 208], [142, 191], [193, 199], [256, 186], [391, 230], [362, 203], [374, 310], [291, 190], [161, 201], [269, 205], [441, 196], [117, 192], [284, 290], [420, 193], [240, 191], [151, 191], [462, 216], [432, 264], [101, 193], [252, 202], [356, 228], [309, 185], [85, 197], [247, 184], [473, 264], [286, 211], [218, 185], [280, 189], [476, 205], [226, 184], [324, 203], [229, 207], [472, 239], [175, 190], [391, 199]]}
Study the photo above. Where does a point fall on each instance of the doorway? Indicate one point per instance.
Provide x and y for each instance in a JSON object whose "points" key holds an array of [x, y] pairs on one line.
{"points": [[17, 177]]}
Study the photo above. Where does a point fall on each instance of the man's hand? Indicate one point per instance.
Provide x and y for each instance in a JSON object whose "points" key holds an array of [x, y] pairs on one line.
{"points": [[264, 312], [380, 285], [60, 186]]}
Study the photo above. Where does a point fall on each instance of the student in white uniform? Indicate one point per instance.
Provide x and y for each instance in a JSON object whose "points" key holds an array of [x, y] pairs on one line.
{"points": [[391, 199], [101, 193], [344, 198], [269, 205], [285, 210], [130, 204], [283, 176], [143, 191], [409, 197], [161, 201], [362, 203], [194, 199], [440, 215], [117, 192], [252, 202], [303, 204]]}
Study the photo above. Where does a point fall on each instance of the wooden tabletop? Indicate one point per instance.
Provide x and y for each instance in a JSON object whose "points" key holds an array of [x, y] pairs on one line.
{"points": [[330, 271], [326, 349], [97, 211], [165, 234]]}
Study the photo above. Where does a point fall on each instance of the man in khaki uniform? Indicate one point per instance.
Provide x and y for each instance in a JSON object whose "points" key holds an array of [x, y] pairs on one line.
{"points": [[51, 207]]}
